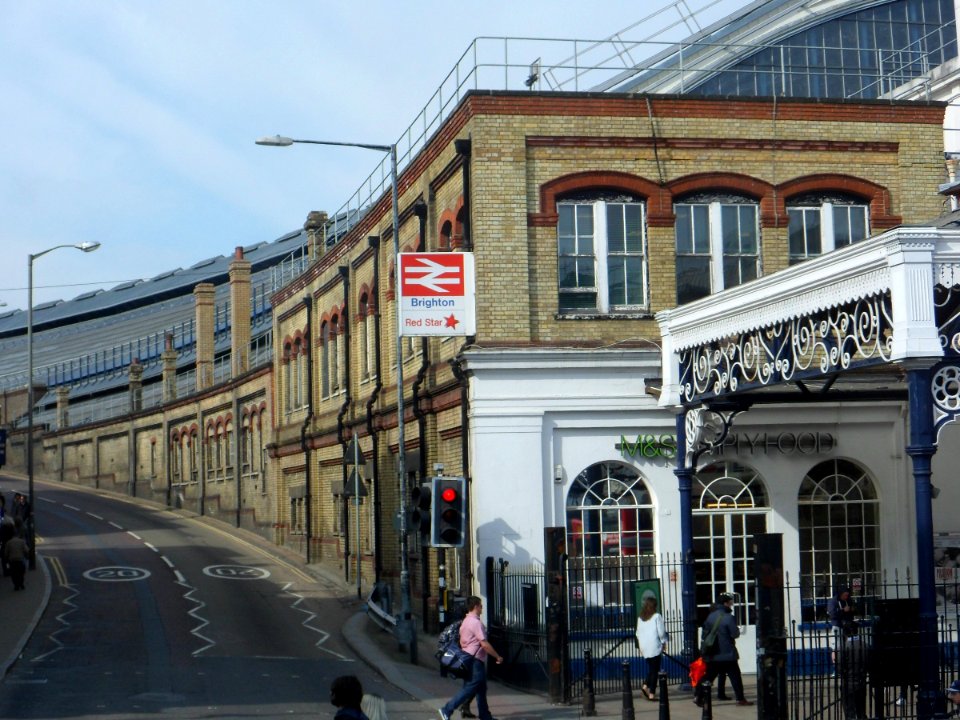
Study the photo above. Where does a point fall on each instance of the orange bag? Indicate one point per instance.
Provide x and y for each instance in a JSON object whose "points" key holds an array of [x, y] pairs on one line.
{"points": [[698, 668]]}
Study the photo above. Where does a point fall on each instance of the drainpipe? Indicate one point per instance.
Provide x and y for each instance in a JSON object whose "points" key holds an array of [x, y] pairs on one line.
{"points": [[344, 407], [374, 242], [420, 210], [464, 148], [456, 365], [304, 444]]}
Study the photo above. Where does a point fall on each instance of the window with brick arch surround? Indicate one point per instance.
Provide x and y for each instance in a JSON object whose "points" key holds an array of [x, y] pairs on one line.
{"points": [[823, 222], [717, 243], [601, 254]]}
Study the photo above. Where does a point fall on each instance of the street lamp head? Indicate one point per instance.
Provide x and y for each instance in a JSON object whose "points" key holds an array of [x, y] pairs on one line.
{"points": [[275, 141], [87, 246]]}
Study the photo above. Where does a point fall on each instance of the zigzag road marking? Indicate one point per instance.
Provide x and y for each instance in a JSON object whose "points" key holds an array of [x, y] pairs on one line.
{"points": [[324, 635], [194, 613], [62, 617]]}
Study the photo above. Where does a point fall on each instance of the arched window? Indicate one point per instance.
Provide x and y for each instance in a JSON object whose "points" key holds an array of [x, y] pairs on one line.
{"points": [[601, 253], [730, 507], [363, 338], [338, 326], [228, 445], [822, 222], [717, 243], [610, 535], [193, 447], [838, 516], [287, 377], [211, 447], [325, 359], [446, 232]]}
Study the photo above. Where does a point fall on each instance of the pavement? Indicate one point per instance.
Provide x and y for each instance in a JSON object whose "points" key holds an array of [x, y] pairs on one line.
{"points": [[21, 612]]}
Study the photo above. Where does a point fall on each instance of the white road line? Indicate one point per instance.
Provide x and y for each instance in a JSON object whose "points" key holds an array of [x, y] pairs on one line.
{"points": [[134, 535], [324, 635], [151, 546], [167, 561], [180, 578], [71, 507], [118, 527], [195, 614], [94, 515], [61, 618]]}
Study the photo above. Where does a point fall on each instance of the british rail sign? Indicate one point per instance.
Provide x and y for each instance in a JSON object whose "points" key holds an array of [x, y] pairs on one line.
{"points": [[436, 294]]}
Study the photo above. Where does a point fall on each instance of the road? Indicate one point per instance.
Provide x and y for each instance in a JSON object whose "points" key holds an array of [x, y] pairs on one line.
{"points": [[153, 613]]}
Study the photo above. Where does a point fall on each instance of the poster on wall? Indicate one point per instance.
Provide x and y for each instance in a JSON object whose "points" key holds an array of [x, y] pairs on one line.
{"points": [[946, 562], [643, 588]]}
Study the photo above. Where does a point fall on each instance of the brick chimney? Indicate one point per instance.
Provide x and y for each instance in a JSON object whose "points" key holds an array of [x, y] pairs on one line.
{"points": [[240, 313]]}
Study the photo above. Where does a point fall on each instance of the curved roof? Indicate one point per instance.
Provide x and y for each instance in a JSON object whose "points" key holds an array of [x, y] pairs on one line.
{"points": [[775, 47]]}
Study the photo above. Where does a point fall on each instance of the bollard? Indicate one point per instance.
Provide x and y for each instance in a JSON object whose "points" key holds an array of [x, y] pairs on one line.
{"points": [[664, 700], [627, 713], [589, 699], [707, 707]]}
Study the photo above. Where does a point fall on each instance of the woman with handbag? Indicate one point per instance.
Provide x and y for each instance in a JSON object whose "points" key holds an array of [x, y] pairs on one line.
{"points": [[652, 639]]}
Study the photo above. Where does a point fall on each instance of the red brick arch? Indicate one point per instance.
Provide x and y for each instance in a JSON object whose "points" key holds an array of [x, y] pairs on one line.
{"points": [[881, 215], [763, 192], [659, 208]]}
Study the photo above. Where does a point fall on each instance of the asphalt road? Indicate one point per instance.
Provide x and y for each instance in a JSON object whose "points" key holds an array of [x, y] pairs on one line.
{"points": [[153, 613]]}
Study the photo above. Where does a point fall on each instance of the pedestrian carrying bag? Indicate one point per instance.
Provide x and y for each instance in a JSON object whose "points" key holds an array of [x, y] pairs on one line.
{"points": [[453, 660], [711, 642]]}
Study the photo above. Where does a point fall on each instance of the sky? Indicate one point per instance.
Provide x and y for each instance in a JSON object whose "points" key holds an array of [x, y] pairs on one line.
{"points": [[132, 123]]}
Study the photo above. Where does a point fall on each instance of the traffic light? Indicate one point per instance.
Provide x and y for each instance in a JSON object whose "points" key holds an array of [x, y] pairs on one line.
{"points": [[420, 511], [449, 512]]}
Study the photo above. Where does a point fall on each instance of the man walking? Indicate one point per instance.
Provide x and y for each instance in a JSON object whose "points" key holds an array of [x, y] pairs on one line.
{"points": [[473, 642], [722, 632]]}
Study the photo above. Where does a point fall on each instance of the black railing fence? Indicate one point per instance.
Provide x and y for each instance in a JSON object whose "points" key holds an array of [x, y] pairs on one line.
{"points": [[872, 670]]}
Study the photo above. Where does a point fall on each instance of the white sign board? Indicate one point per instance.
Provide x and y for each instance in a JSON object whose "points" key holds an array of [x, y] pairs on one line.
{"points": [[436, 294]]}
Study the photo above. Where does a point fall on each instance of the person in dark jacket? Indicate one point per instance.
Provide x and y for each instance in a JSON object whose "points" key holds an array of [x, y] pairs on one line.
{"points": [[841, 610], [726, 656], [346, 693]]}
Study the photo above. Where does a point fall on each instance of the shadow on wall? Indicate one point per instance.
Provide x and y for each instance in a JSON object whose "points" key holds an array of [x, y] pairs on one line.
{"points": [[498, 540]]}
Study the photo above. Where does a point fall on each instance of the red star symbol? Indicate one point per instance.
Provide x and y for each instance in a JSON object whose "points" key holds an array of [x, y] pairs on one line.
{"points": [[452, 322]]}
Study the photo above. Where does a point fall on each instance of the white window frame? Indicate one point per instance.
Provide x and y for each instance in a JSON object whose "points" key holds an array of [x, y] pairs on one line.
{"points": [[828, 235], [715, 239], [601, 256]]}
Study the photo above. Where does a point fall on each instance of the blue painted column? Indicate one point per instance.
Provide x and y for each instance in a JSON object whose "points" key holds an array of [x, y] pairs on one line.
{"points": [[930, 702], [684, 475]]}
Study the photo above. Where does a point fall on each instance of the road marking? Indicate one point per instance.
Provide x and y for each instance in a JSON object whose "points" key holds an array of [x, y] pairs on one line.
{"points": [[273, 558], [61, 618], [324, 635], [94, 515], [116, 573], [167, 561], [134, 535], [118, 527], [180, 578], [236, 572], [71, 507], [58, 570], [151, 546], [195, 614]]}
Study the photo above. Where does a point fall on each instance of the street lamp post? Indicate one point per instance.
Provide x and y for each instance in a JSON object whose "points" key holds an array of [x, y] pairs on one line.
{"points": [[31, 525], [406, 629]]}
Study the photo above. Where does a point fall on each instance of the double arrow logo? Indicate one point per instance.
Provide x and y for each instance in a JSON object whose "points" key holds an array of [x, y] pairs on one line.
{"points": [[432, 275]]}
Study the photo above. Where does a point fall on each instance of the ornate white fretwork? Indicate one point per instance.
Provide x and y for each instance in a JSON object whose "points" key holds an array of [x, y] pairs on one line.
{"points": [[821, 343]]}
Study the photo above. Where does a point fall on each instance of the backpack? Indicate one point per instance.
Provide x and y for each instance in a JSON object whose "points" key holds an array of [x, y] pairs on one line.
{"points": [[451, 633], [451, 657]]}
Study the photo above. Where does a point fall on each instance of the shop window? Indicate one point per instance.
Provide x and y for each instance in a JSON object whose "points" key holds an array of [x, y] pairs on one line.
{"points": [[717, 244], [820, 223], [601, 255], [839, 522], [610, 538], [730, 507]]}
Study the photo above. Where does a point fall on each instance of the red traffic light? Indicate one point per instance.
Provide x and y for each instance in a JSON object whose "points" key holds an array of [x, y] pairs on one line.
{"points": [[449, 494]]}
